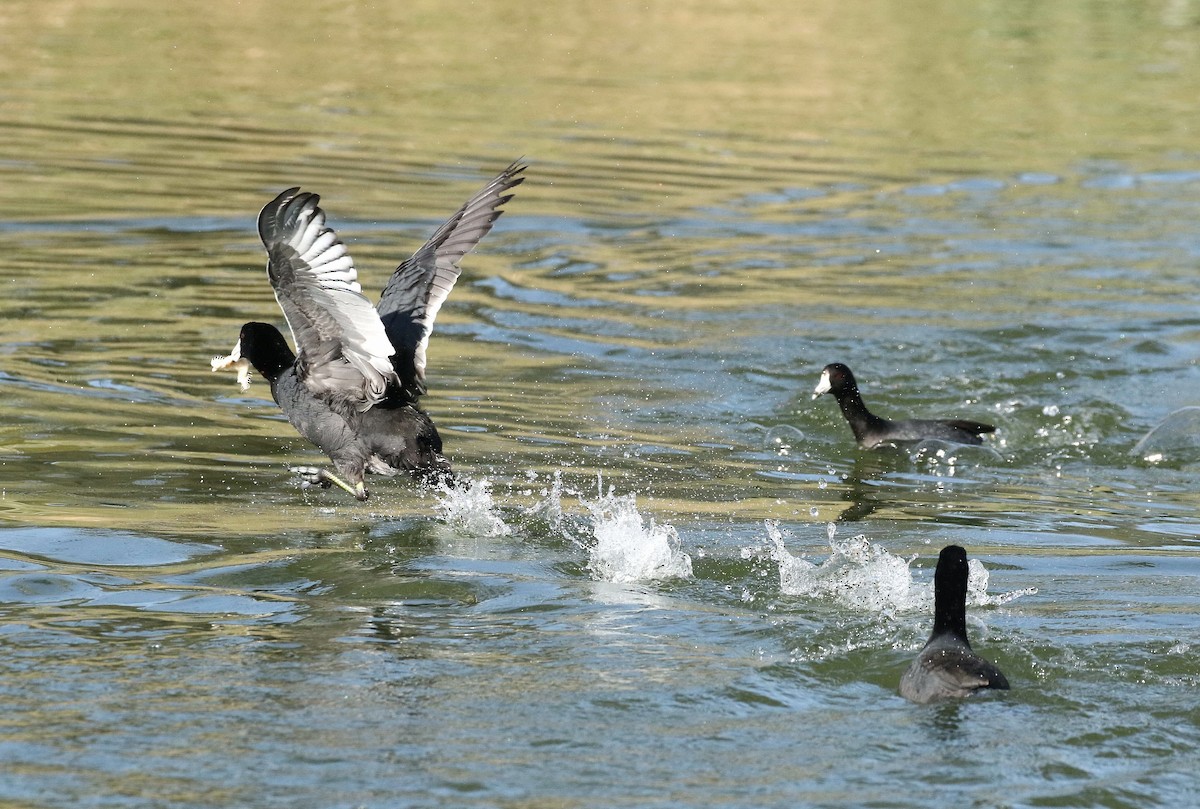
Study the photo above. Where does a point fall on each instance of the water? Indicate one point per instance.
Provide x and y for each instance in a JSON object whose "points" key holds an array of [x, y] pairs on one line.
{"points": [[672, 580]]}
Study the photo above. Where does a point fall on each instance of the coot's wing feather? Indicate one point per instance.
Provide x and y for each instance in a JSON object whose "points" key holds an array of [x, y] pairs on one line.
{"points": [[414, 294], [344, 354]]}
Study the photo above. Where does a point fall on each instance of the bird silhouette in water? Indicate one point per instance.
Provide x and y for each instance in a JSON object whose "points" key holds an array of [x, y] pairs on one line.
{"points": [[947, 667]]}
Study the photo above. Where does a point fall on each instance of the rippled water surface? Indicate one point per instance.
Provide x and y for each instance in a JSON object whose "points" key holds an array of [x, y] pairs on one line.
{"points": [[673, 580]]}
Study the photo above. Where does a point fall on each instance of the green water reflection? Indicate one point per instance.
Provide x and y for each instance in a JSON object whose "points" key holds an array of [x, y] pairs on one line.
{"points": [[201, 107], [140, 142]]}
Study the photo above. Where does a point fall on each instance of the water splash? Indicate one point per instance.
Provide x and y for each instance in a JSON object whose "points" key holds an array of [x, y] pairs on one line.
{"points": [[857, 573], [1176, 438], [548, 507], [467, 507], [782, 438], [947, 459], [977, 585], [866, 577], [630, 548]]}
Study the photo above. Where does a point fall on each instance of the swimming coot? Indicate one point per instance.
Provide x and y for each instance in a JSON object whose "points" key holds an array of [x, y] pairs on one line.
{"points": [[352, 386], [872, 431], [946, 666]]}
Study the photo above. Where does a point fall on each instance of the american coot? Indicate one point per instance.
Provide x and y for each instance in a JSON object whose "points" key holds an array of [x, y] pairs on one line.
{"points": [[946, 666], [353, 385], [872, 431]]}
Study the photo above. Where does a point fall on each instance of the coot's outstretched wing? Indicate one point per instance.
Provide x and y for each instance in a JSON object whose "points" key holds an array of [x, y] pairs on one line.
{"points": [[344, 354], [415, 293]]}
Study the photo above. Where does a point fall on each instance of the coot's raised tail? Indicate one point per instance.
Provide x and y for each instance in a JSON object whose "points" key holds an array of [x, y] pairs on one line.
{"points": [[873, 431], [352, 386], [947, 667]]}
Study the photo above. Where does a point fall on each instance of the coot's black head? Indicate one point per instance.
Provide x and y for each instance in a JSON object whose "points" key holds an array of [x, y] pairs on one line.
{"points": [[260, 345], [837, 379], [950, 592], [266, 348]]}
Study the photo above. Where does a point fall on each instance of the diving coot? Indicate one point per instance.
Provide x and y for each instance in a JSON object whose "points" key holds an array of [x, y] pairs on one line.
{"points": [[872, 431], [946, 666], [352, 386]]}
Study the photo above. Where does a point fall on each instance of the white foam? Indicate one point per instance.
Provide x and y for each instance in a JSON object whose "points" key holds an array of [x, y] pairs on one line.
{"points": [[857, 573], [630, 548], [977, 585], [470, 510], [864, 576]]}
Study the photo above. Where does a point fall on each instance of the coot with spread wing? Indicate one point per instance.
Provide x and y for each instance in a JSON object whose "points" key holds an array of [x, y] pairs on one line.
{"points": [[352, 385]]}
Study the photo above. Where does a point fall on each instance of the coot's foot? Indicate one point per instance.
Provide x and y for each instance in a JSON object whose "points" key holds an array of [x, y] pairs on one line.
{"points": [[316, 476]]}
